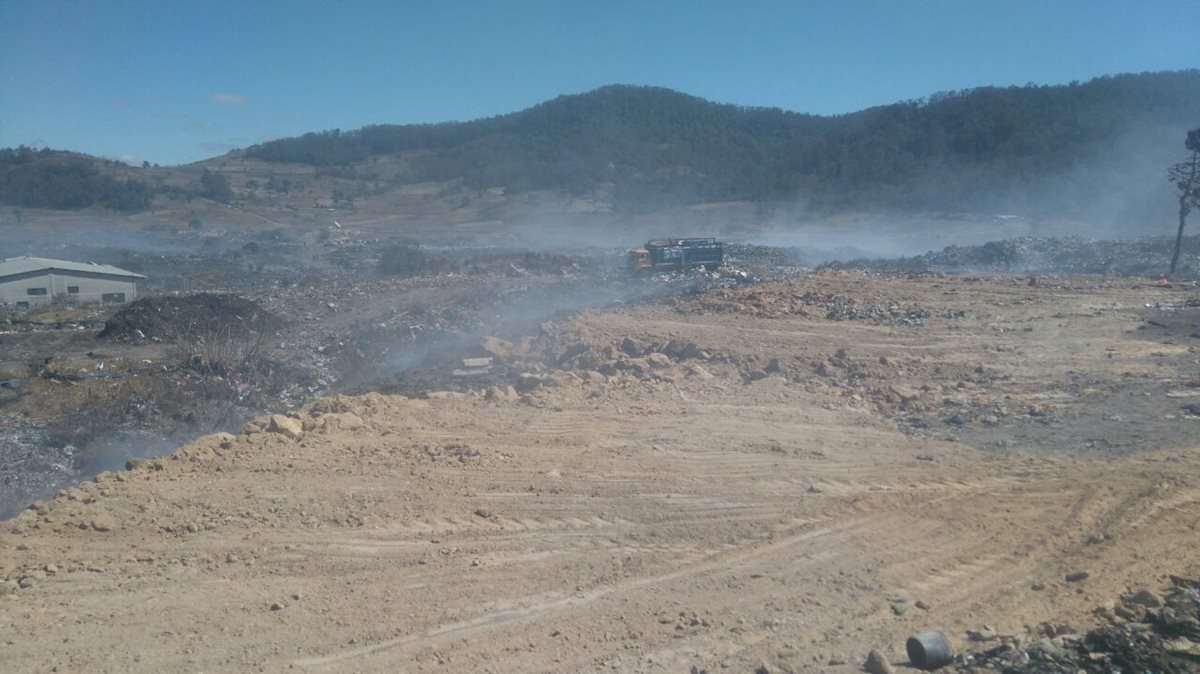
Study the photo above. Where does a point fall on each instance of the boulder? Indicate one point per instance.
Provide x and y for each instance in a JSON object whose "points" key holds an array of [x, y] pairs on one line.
{"points": [[877, 664], [285, 426]]}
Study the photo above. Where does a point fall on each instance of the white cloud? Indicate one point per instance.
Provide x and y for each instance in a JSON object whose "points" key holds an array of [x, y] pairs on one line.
{"points": [[227, 99]]}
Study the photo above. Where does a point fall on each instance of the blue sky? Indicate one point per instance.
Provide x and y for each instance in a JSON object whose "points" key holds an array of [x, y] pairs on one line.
{"points": [[174, 81]]}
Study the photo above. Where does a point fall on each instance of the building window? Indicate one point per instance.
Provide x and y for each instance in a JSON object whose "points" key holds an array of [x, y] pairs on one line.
{"points": [[112, 297], [72, 290], [35, 291]]}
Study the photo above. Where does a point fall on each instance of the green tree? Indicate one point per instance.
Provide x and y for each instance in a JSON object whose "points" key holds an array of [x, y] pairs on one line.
{"points": [[215, 186], [1186, 177]]}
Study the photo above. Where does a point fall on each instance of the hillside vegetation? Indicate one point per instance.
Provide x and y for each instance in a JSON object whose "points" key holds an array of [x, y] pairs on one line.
{"points": [[59, 180], [660, 147], [1083, 149]]}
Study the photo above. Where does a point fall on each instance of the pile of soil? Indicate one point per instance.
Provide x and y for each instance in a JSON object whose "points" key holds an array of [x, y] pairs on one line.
{"points": [[168, 318]]}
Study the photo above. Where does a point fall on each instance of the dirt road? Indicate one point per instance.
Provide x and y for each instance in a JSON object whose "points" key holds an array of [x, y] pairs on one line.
{"points": [[787, 475]]}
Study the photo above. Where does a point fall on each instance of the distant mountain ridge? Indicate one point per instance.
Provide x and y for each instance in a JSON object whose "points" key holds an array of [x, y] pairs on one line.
{"points": [[1103, 144], [660, 147]]}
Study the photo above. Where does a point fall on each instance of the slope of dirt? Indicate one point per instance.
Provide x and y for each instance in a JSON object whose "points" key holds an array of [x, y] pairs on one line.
{"points": [[745, 479]]}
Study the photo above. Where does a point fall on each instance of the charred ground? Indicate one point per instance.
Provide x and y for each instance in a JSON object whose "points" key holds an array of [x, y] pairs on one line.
{"points": [[772, 470]]}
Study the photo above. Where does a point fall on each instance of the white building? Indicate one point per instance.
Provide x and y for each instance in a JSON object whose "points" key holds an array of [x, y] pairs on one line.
{"points": [[27, 282]]}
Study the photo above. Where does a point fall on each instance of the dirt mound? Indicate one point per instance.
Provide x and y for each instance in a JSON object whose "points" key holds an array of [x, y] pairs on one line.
{"points": [[169, 318], [799, 300]]}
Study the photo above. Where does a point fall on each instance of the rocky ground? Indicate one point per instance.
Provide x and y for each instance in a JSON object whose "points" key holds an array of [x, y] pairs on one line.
{"points": [[775, 477]]}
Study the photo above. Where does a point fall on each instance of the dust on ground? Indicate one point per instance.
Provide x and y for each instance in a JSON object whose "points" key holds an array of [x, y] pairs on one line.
{"points": [[778, 478]]}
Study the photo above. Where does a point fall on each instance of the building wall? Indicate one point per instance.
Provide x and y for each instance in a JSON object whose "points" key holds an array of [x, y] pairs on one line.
{"points": [[91, 288]]}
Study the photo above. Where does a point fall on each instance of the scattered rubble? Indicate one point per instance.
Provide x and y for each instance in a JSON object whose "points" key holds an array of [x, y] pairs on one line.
{"points": [[1144, 257], [1145, 633]]}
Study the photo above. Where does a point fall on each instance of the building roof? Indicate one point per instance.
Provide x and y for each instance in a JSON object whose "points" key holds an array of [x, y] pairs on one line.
{"points": [[25, 265]]}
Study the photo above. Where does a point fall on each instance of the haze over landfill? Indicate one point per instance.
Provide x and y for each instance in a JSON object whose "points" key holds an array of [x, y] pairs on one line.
{"points": [[542, 337]]}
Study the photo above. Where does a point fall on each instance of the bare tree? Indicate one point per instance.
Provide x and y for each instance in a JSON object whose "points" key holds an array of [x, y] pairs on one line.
{"points": [[1186, 177]]}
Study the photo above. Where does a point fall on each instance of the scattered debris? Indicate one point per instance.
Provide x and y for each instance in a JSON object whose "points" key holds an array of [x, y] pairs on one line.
{"points": [[1164, 639]]}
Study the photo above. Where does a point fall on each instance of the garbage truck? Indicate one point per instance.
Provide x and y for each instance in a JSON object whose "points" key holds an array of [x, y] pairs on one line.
{"points": [[666, 255]]}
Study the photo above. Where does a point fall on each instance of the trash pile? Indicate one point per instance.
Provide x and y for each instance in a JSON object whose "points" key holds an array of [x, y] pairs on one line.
{"points": [[1145, 633], [169, 318], [1055, 255], [28, 466]]}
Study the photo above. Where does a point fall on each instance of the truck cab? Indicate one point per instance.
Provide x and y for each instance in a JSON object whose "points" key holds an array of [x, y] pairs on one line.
{"points": [[670, 255], [638, 259]]}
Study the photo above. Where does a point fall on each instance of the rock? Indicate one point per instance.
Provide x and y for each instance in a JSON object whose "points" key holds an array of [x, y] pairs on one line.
{"points": [[670, 374], [104, 523], [922, 604], [594, 377], [1182, 646], [900, 607], [527, 381], [1145, 598], [631, 347], [1050, 651], [285, 426], [483, 512], [681, 350], [877, 664], [697, 371], [1076, 576], [656, 359], [502, 394], [564, 378], [498, 348], [258, 425], [278, 606], [983, 634]]}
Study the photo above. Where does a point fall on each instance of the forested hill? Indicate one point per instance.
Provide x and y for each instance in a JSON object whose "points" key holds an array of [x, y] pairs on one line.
{"points": [[658, 147], [1097, 150]]}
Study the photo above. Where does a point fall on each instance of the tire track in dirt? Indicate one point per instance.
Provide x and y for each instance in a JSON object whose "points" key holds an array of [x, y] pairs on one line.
{"points": [[542, 609]]}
